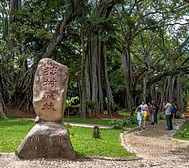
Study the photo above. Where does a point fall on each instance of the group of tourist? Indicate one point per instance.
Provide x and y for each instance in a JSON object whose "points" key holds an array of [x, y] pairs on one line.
{"points": [[143, 110]]}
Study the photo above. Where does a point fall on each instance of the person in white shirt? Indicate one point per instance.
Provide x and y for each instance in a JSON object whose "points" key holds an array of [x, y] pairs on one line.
{"points": [[168, 107], [144, 108]]}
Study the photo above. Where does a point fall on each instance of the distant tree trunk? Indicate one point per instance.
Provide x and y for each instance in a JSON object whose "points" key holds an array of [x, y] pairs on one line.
{"points": [[144, 87], [7, 80], [154, 93], [162, 96], [83, 93], [129, 100], [180, 103], [169, 79], [2, 114], [15, 5], [107, 84], [95, 77]]}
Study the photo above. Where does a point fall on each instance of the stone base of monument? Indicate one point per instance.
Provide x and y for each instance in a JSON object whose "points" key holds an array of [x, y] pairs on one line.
{"points": [[47, 140]]}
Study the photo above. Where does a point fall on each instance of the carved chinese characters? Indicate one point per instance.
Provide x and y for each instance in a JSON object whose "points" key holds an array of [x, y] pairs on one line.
{"points": [[49, 140], [49, 90]]}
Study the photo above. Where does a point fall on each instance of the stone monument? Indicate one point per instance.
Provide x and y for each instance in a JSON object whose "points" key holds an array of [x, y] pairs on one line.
{"points": [[49, 138]]}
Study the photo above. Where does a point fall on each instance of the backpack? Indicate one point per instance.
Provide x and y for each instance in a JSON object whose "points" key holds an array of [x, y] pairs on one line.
{"points": [[173, 110]]}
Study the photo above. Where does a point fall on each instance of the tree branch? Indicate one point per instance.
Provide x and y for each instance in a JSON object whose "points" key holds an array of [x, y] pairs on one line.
{"points": [[158, 77], [185, 61], [183, 44], [67, 18]]}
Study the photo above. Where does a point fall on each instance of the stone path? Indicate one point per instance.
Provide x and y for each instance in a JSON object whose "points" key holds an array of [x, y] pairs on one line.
{"points": [[157, 147], [89, 125], [81, 125], [154, 145]]}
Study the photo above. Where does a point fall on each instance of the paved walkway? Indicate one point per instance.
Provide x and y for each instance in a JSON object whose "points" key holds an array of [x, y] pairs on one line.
{"points": [[154, 145], [89, 125], [157, 147], [81, 125]]}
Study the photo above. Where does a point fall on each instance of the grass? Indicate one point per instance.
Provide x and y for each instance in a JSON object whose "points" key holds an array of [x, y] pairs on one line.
{"points": [[183, 133], [108, 145], [125, 113], [13, 131]]}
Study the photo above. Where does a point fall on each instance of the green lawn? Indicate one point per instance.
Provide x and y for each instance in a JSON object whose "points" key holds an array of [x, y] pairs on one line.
{"points": [[13, 131], [183, 133], [108, 145]]}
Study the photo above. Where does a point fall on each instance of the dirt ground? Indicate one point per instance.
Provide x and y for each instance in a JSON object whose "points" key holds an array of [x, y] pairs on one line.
{"points": [[21, 114]]}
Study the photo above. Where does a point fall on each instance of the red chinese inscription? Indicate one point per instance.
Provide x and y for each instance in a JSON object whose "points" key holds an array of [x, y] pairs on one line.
{"points": [[49, 95], [50, 70], [51, 83], [48, 107]]}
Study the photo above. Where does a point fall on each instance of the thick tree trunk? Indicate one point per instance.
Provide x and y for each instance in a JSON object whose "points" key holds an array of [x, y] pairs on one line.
{"points": [[94, 81], [82, 89], [99, 74], [95, 76], [180, 103], [107, 84], [129, 102], [2, 114]]}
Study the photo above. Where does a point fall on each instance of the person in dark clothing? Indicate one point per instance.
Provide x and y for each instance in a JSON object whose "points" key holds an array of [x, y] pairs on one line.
{"points": [[174, 110], [156, 112]]}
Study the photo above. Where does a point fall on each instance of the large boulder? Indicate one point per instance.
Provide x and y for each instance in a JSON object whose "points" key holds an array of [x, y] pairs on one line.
{"points": [[49, 90], [47, 140]]}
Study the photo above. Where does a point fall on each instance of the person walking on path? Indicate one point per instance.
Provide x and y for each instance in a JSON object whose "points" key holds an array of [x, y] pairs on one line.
{"points": [[156, 112], [152, 110], [168, 107], [144, 108], [139, 117]]}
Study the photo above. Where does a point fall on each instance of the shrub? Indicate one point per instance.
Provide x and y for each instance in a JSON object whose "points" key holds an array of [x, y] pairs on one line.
{"points": [[114, 107], [133, 120], [128, 121], [72, 101], [73, 109], [131, 110], [184, 133], [160, 116], [117, 124], [90, 104], [72, 106], [178, 114]]}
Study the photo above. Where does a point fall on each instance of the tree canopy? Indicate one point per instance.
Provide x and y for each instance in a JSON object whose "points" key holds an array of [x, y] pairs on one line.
{"points": [[122, 51]]}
